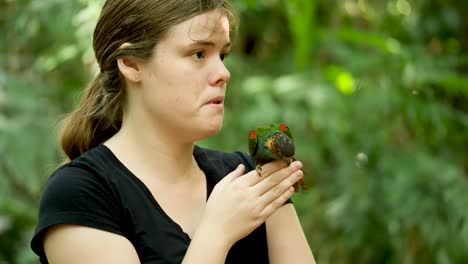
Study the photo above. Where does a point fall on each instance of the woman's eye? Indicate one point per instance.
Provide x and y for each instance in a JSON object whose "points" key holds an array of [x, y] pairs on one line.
{"points": [[223, 56], [198, 55]]}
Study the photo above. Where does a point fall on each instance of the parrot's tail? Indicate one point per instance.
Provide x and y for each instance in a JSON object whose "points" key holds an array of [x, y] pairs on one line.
{"points": [[302, 184]]}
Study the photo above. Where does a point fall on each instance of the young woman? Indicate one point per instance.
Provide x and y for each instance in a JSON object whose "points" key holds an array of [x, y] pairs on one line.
{"points": [[137, 189]]}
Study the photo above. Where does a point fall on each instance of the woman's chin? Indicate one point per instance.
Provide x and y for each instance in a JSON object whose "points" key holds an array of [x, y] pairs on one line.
{"points": [[214, 128], [210, 130]]}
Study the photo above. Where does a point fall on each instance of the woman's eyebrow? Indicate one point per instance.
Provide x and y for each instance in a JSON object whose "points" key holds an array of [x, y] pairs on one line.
{"points": [[208, 43]]}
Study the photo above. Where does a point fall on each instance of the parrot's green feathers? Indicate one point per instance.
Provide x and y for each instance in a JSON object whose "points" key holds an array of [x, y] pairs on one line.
{"points": [[270, 143], [273, 142]]}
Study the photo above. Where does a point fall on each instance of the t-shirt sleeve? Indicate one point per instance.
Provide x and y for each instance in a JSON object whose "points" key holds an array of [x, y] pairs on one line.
{"points": [[74, 195], [247, 160]]}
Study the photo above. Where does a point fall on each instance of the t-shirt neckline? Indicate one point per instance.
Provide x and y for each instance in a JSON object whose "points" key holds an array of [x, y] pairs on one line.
{"points": [[203, 162]]}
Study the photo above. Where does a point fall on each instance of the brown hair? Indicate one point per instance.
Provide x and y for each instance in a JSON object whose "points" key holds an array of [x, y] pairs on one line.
{"points": [[139, 22]]}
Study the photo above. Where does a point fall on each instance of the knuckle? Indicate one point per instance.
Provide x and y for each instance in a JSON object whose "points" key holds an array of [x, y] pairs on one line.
{"points": [[276, 204], [272, 167], [257, 209], [259, 217], [275, 180], [289, 192], [266, 213], [277, 192], [281, 176]]}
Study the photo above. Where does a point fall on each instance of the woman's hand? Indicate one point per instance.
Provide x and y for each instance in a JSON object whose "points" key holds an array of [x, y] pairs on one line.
{"points": [[240, 203]]}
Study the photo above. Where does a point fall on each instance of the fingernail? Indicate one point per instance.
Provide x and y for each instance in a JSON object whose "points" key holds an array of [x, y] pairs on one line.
{"points": [[297, 164], [298, 174]]}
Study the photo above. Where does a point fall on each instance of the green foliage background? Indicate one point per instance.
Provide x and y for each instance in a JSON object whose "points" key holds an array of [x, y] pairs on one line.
{"points": [[375, 93]]}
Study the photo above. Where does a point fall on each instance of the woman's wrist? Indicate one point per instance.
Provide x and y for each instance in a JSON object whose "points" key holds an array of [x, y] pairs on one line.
{"points": [[214, 236], [207, 246]]}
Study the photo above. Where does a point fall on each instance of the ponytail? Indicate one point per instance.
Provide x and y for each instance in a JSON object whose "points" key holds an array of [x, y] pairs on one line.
{"points": [[97, 117]]}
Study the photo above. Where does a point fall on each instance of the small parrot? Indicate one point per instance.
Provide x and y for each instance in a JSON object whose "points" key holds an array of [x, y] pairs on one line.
{"points": [[273, 142]]}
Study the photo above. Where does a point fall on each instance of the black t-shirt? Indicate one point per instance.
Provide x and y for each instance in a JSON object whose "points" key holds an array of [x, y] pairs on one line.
{"points": [[97, 190]]}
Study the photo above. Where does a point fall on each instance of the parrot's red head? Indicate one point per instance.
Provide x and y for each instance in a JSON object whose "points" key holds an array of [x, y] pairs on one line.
{"points": [[283, 127]]}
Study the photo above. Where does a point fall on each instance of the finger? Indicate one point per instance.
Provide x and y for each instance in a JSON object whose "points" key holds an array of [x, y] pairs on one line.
{"points": [[277, 203], [239, 171], [276, 178], [277, 191], [271, 167], [252, 177]]}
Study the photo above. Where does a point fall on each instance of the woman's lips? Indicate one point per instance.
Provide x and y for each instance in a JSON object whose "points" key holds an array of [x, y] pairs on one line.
{"points": [[217, 102]]}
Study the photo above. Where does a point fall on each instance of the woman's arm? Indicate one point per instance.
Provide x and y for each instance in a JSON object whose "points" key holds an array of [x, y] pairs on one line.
{"points": [[72, 244], [207, 247], [238, 204], [79, 244], [286, 240]]}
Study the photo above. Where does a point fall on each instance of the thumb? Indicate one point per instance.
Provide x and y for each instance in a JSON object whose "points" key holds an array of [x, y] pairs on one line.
{"points": [[239, 171]]}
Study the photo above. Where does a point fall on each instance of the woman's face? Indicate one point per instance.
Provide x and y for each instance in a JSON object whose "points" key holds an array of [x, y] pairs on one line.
{"points": [[184, 83]]}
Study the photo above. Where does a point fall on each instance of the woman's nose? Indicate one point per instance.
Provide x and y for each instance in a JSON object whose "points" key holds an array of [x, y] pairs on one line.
{"points": [[220, 74]]}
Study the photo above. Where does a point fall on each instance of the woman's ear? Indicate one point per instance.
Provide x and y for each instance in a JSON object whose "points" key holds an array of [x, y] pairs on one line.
{"points": [[129, 67]]}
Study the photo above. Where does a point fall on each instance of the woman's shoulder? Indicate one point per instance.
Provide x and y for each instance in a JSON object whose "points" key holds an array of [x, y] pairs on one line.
{"points": [[78, 192], [218, 158], [93, 161], [91, 170]]}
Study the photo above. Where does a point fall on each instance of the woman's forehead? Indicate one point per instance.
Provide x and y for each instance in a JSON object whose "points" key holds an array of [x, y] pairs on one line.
{"points": [[212, 24]]}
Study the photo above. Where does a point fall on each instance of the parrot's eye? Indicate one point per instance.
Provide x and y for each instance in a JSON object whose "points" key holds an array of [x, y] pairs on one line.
{"points": [[252, 134], [283, 127]]}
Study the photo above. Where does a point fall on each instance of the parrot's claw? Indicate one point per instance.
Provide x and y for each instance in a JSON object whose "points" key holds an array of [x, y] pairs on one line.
{"points": [[258, 168], [302, 184]]}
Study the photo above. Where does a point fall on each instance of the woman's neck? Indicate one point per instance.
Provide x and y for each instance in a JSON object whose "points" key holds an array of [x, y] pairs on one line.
{"points": [[149, 152]]}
